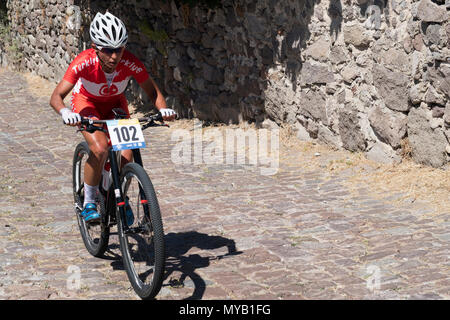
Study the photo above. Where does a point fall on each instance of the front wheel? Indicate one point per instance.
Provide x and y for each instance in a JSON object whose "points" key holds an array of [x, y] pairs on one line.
{"points": [[142, 244], [95, 237]]}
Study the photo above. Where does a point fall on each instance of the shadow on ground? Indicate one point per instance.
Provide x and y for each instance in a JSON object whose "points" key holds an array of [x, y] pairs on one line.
{"points": [[178, 244]]}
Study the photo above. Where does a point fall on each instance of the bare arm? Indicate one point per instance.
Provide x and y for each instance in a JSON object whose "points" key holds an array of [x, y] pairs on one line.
{"points": [[155, 95], [57, 103], [61, 91]]}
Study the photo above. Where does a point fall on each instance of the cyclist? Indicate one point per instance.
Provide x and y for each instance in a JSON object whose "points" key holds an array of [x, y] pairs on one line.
{"points": [[98, 77]]}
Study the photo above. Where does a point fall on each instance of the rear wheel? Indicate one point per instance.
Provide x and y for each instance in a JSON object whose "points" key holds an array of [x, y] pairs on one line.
{"points": [[142, 245], [95, 236]]}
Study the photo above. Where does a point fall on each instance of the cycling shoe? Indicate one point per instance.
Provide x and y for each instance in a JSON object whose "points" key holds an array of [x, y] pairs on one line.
{"points": [[90, 213]]}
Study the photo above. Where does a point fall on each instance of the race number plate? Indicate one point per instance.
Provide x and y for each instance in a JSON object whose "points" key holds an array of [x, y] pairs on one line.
{"points": [[125, 134]]}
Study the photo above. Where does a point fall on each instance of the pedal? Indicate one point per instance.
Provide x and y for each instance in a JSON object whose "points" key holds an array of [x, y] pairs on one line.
{"points": [[77, 208], [92, 223], [136, 230]]}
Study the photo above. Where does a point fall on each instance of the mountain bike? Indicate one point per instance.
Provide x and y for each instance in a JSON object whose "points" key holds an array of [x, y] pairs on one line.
{"points": [[121, 190]]}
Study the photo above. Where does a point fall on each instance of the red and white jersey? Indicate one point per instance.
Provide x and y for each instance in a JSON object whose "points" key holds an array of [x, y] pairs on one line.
{"points": [[90, 80]]}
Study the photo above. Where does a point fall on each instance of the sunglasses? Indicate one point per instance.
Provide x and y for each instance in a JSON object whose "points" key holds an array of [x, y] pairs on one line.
{"points": [[110, 50]]}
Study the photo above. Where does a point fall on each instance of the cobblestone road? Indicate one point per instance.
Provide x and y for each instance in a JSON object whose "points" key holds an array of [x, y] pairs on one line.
{"points": [[231, 232]]}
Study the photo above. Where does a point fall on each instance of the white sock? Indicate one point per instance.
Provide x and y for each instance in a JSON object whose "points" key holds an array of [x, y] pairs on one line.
{"points": [[90, 193]]}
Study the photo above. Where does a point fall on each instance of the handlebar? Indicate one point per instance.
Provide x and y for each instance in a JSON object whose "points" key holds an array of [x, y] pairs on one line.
{"points": [[88, 124], [152, 118]]}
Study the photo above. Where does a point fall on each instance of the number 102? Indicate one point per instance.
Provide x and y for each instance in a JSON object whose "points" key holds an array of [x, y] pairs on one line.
{"points": [[124, 134]]}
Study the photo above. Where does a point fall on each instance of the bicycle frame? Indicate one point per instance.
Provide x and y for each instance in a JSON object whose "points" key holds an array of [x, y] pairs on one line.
{"points": [[112, 202], [115, 188], [125, 184]]}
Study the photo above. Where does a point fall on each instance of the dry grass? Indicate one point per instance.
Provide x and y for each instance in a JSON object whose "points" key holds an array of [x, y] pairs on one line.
{"points": [[418, 182], [40, 87], [415, 181]]}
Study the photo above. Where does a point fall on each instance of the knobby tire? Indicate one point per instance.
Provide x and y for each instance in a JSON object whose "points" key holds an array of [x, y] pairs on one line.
{"points": [[96, 246], [148, 253]]}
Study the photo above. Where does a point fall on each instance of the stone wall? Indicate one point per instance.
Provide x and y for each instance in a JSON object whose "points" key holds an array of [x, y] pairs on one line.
{"points": [[364, 75], [47, 36]]}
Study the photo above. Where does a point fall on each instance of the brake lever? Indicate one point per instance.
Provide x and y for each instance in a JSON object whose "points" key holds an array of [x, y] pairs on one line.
{"points": [[91, 128], [145, 126], [152, 123], [163, 124]]}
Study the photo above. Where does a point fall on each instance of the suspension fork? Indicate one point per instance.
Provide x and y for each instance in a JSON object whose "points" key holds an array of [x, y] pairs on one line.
{"points": [[120, 202], [138, 159]]}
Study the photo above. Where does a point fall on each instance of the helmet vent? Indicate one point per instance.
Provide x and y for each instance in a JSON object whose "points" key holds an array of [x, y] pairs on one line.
{"points": [[108, 30]]}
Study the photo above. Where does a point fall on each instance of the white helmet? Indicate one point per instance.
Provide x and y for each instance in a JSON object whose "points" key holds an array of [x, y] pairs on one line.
{"points": [[108, 31]]}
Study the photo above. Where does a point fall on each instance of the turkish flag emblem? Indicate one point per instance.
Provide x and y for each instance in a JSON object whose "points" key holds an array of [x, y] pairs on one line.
{"points": [[108, 91]]}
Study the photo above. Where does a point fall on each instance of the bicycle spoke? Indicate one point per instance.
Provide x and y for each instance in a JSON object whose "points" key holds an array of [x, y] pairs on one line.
{"points": [[142, 243], [95, 236], [139, 239]]}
